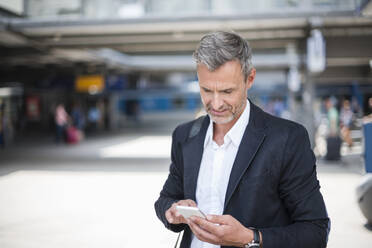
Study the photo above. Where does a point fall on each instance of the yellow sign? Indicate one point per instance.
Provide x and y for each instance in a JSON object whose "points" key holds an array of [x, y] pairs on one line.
{"points": [[90, 83]]}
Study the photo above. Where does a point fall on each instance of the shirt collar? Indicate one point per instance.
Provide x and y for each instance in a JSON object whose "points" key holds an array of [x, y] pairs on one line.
{"points": [[209, 134], [235, 134]]}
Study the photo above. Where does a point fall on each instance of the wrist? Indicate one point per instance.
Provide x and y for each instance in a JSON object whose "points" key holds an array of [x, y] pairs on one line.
{"points": [[247, 237], [253, 238]]}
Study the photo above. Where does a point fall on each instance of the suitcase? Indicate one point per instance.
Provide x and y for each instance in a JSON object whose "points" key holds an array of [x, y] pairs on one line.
{"points": [[333, 148], [72, 135], [364, 197]]}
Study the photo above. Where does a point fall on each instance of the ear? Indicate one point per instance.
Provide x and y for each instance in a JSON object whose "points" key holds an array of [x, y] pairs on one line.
{"points": [[250, 78]]}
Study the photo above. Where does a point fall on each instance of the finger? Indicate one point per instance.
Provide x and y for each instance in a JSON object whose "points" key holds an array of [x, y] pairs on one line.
{"points": [[173, 216], [207, 225], [195, 232], [176, 216], [187, 202], [202, 234], [169, 217], [219, 219], [172, 219], [183, 202], [191, 203], [181, 219], [172, 211], [176, 213]]}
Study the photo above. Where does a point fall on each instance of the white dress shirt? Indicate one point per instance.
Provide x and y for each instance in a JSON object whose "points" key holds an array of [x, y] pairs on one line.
{"points": [[215, 169]]}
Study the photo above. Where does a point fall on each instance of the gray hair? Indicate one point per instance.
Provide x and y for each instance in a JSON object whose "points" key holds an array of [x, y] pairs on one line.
{"points": [[217, 48]]}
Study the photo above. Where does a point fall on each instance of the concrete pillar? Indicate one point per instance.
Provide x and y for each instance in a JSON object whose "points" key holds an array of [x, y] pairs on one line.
{"points": [[293, 80], [304, 113], [308, 96], [113, 111]]}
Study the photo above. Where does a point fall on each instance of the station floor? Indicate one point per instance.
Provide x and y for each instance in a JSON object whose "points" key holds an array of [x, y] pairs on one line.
{"points": [[101, 192]]}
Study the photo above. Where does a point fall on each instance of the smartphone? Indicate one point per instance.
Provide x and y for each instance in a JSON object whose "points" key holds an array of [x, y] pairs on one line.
{"points": [[187, 212]]}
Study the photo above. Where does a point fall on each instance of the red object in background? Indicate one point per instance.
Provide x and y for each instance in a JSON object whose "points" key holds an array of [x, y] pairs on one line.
{"points": [[33, 107], [73, 135]]}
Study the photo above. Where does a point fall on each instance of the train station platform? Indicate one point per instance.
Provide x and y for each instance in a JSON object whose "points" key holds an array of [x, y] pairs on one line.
{"points": [[100, 193]]}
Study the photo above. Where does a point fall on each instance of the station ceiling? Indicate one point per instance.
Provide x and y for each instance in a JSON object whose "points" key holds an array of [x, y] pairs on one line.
{"points": [[167, 44]]}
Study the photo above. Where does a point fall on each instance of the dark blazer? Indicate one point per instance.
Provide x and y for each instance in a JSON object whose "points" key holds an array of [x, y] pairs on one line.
{"points": [[273, 184]]}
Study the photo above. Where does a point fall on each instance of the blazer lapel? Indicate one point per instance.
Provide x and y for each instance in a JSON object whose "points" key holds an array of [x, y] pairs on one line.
{"points": [[253, 137], [192, 151]]}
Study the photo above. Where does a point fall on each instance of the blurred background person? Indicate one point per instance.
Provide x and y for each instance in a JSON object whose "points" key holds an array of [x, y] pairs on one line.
{"points": [[333, 117], [368, 113], [77, 116], [61, 121], [346, 119], [94, 117], [333, 138]]}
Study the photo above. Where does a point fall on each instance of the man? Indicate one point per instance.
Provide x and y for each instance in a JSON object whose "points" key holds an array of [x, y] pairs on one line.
{"points": [[252, 173]]}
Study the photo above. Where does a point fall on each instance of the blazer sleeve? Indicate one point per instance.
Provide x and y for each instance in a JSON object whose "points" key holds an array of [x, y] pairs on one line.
{"points": [[299, 191], [173, 188]]}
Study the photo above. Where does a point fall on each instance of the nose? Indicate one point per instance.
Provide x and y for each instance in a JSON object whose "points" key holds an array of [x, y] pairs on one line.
{"points": [[217, 102]]}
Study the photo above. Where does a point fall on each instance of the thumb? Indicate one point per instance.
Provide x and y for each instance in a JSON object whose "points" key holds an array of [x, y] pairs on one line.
{"points": [[218, 219]]}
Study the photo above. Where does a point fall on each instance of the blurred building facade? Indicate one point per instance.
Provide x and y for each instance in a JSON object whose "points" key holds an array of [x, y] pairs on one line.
{"points": [[145, 8], [134, 56]]}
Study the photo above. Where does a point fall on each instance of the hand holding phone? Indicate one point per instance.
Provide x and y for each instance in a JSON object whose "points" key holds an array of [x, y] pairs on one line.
{"points": [[173, 216]]}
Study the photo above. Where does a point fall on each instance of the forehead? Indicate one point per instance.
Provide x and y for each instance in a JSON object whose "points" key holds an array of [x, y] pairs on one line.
{"points": [[228, 74]]}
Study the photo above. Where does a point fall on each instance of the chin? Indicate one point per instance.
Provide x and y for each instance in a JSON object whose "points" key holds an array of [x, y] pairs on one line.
{"points": [[221, 120]]}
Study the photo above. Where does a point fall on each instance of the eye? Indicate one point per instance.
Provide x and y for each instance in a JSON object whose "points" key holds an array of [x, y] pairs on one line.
{"points": [[227, 91], [206, 90]]}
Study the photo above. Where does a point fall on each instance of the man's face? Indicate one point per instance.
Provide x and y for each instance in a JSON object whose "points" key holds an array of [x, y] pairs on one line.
{"points": [[223, 91]]}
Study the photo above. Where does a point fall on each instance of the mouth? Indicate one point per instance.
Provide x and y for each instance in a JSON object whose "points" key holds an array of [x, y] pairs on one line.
{"points": [[217, 113]]}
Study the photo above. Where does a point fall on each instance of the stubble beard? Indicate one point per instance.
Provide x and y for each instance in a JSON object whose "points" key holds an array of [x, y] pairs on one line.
{"points": [[232, 115]]}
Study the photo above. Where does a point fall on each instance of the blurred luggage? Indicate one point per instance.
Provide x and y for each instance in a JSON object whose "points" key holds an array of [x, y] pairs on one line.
{"points": [[364, 197], [333, 148], [73, 135]]}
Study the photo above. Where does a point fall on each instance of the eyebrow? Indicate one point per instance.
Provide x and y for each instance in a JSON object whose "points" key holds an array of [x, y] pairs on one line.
{"points": [[222, 90]]}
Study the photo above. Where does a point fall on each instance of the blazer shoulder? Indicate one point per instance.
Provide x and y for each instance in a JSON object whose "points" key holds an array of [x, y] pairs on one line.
{"points": [[284, 126], [182, 131]]}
